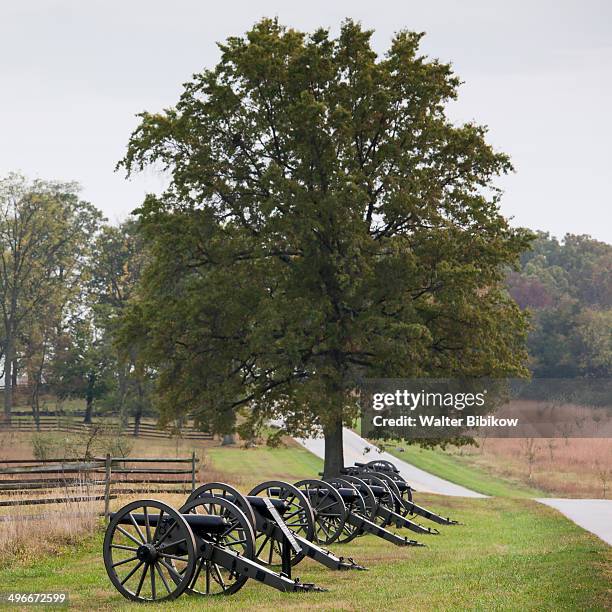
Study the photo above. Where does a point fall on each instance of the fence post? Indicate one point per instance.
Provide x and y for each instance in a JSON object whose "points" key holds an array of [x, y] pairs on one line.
{"points": [[107, 483], [193, 471]]}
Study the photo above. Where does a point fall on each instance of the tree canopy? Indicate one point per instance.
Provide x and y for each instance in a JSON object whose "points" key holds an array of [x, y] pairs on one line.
{"points": [[45, 239], [324, 222], [567, 288]]}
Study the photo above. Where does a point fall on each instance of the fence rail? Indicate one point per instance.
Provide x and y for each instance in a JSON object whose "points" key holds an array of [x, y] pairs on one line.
{"points": [[68, 423], [60, 474]]}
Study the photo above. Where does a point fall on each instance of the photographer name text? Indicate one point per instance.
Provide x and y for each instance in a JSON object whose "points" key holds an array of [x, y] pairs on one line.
{"points": [[423, 420]]}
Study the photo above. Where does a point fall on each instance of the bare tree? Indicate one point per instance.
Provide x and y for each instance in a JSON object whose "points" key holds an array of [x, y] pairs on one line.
{"points": [[530, 451], [551, 443], [604, 475]]}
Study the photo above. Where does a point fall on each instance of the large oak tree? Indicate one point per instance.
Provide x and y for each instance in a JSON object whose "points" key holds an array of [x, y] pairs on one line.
{"points": [[324, 222]]}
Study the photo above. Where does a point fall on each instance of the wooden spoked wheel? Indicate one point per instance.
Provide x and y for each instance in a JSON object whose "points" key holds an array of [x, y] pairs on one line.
{"points": [[405, 490], [149, 551], [221, 489], [298, 516], [392, 486], [356, 506], [369, 499], [328, 507], [209, 578], [382, 493]]}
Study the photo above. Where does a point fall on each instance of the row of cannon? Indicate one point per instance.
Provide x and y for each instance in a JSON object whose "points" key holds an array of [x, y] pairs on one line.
{"points": [[220, 538]]}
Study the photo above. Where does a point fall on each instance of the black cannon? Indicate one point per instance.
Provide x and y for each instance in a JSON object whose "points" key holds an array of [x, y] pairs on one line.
{"points": [[283, 522], [341, 510], [153, 552], [400, 489], [383, 504]]}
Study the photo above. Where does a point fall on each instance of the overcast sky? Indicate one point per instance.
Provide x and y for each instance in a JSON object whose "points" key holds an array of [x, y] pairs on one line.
{"points": [[538, 73]]}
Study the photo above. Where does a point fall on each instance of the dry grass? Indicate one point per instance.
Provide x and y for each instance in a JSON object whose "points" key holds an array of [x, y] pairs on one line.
{"points": [[562, 466], [30, 531], [570, 467], [15, 445]]}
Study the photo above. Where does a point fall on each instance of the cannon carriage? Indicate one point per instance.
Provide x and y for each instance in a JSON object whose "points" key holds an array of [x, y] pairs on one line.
{"points": [[341, 513], [401, 491], [153, 552]]}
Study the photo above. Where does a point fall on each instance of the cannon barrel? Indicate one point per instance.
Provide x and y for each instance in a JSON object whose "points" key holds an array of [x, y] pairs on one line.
{"points": [[198, 523], [346, 493], [412, 508], [258, 502]]}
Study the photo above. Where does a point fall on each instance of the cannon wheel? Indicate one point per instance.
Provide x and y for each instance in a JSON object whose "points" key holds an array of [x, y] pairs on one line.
{"points": [[210, 578], [328, 507], [381, 465], [358, 506], [368, 496], [299, 517], [136, 557], [406, 494], [387, 499], [392, 486], [221, 489]]}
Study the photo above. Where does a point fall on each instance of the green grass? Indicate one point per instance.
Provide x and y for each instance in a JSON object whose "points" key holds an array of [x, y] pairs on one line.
{"points": [[248, 467], [49, 403], [510, 554], [451, 468]]}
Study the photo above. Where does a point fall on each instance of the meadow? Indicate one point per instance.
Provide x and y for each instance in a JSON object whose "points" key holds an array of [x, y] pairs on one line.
{"points": [[522, 467], [509, 553]]}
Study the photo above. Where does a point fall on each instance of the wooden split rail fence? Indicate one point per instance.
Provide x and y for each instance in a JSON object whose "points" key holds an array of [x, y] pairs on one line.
{"points": [[147, 429], [93, 479]]}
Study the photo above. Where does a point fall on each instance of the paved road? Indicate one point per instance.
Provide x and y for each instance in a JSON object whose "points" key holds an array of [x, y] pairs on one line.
{"points": [[354, 447], [594, 515]]}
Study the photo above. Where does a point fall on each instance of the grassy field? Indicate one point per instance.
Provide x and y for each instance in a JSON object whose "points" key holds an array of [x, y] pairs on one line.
{"points": [[511, 554], [572, 467], [248, 467], [452, 468], [576, 467]]}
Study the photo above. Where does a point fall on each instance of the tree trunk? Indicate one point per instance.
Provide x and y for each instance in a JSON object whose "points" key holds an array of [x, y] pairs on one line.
{"points": [[228, 439], [14, 374], [139, 405], [334, 449], [137, 420], [36, 405], [8, 379], [122, 384], [89, 397], [37, 382]]}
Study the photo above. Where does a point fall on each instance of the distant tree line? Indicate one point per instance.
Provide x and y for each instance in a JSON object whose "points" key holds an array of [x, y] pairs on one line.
{"points": [[65, 277], [567, 287]]}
